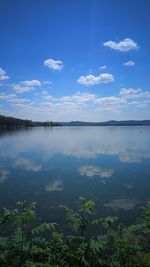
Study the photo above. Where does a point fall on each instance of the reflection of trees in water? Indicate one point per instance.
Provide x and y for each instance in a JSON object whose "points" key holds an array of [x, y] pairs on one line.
{"points": [[9, 131]]}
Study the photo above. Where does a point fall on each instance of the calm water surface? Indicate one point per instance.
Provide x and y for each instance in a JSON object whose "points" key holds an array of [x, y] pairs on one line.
{"points": [[56, 165]]}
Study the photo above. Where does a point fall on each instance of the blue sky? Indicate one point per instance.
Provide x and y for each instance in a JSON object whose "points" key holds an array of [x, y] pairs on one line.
{"points": [[75, 59]]}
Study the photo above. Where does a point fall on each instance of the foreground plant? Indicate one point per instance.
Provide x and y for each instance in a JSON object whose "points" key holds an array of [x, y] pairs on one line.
{"points": [[92, 242]]}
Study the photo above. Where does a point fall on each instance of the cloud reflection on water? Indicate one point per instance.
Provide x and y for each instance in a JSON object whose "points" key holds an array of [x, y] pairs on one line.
{"points": [[91, 170], [3, 175], [82, 158], [55, 185], [81, 142], [27, 164], [122, 203]]}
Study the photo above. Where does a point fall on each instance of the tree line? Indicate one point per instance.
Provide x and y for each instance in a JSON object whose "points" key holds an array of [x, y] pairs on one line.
{"points": [[15, 122]]}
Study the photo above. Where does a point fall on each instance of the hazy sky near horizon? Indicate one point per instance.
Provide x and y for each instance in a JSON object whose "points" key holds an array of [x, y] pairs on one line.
{"points": [[75, 59]]}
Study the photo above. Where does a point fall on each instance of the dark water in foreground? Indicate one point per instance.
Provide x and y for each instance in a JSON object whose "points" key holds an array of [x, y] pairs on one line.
{"points": [[53, 166]]}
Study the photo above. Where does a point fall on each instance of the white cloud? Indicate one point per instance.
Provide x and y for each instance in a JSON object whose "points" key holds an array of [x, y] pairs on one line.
{"points": [[139, 104], [84, 106], [3, 75], [76, 101], [110, 100], [47, 82], [47, 98], [45, 92], [123, 46], [18, 88], [103, 67], [31, 83], [6, 97], [129, 63], [25, 86], [90, 171], [18, 100], [53, 64], [91, 80], [79, 98], [79, 106], [134, 93]]}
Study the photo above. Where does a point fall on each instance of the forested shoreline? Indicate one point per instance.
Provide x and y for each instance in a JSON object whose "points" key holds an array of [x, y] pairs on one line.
{"points": [[15, 122]]}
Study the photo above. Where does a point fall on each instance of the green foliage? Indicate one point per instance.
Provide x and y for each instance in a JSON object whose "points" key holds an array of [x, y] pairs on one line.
{"points": [[6, 216], [106, 222], [44, 227], [78, 221], [73, 218], [111, 245], [15, 122], [25, 212], [86, 205]]}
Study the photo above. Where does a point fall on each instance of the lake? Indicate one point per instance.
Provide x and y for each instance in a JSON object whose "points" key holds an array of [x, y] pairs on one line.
{"points": [[54, 166]]}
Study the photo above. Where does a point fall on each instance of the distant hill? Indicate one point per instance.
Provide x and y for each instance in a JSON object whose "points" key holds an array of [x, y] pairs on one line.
{"points": [[15, 122], [108, 123]]}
